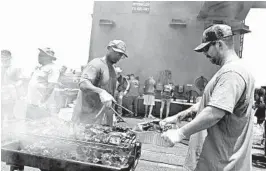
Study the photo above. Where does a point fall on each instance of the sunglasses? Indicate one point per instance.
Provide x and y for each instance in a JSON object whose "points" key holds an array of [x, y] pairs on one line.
{"points": [[206, 48]]}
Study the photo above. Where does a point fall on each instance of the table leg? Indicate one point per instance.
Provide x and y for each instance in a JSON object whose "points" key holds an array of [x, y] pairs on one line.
{"points": [[19, 168], [12, 168]]}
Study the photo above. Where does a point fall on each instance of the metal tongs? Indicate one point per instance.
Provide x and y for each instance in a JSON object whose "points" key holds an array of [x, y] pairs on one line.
{"points": [[119, 115], [124, 108], [120, 119]]}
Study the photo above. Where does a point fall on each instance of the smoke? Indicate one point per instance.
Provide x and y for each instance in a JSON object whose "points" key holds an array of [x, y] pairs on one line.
{"points": [[50, 130]]}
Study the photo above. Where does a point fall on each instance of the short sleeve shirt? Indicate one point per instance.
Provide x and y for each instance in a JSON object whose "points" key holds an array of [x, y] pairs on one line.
{"points": [[134, 88], [39, 81], [226, 145], [149, 88], [88, 103], [167, 91]]}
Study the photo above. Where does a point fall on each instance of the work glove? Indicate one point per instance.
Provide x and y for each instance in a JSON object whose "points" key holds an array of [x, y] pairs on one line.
{"points": [[173, 136], [106, 98]]}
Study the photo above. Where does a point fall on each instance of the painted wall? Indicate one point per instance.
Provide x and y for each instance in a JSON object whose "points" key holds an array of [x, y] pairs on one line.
{"points": [[152, 44]]}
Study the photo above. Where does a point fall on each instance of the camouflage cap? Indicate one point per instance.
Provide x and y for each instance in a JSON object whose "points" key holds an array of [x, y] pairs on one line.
{"points": [[213, 33], [118, 46]]}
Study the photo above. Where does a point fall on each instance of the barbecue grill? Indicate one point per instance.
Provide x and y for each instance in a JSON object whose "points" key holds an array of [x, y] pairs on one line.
{"points": [[15, 155]]}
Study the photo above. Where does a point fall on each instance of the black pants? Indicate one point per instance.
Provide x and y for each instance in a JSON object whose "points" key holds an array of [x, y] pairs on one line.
{"points": [[131, 102]]}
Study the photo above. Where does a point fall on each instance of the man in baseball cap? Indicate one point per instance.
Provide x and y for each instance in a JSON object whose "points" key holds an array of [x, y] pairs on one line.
{"points": [[97, 87], [46, 55], [212, 34], [216, 35], [225, 111], [12, 81], [118, 46]]}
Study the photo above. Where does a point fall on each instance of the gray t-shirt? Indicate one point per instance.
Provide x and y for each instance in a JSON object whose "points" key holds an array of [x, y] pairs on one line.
{"points": [[226, 145], [88, 103]]}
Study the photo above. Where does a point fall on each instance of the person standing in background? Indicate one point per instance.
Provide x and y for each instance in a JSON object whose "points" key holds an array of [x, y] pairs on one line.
{"points": [[11, 83], [131, 98], [42, 84], [264, 87], [61, 78], [149, 96], [167, 95], [260, 112], [62, 73], [59, 93], [260, 105], [137, 78], [122, 87]]}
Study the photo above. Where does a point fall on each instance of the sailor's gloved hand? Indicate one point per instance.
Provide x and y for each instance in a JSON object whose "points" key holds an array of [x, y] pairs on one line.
{"points": [[173, 136], [106, 98]]}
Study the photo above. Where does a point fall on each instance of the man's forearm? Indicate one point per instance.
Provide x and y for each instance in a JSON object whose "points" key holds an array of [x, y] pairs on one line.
{"points": [[188, 112], [205, 119], [88, 86]]}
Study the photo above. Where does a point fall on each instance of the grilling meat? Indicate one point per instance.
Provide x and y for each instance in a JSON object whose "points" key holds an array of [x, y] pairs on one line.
{"points": [[104, 134]]}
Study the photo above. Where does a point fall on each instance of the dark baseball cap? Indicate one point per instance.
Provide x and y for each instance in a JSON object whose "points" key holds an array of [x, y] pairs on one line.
{"points": [[214, 33]]}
